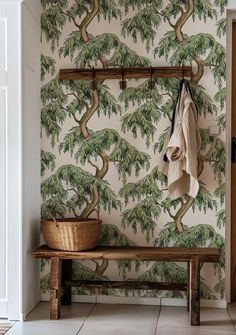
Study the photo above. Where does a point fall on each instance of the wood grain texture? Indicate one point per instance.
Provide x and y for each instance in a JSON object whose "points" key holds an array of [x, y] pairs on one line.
{"points": [[194, 257], [133, 253], [233, 171], [55, 293], [194, 292], [127, 285], [127, 73]]}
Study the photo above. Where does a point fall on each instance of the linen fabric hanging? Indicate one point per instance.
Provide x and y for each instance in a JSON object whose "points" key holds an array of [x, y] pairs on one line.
{"points": [[182, 147]]}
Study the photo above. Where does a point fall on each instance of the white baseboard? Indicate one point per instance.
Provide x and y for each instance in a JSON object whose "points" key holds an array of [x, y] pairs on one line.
{"points": [[203, 302], [23, 316], [104, 299], [214, 303], [85, 298], [29, 307], [45, 297], [109, 299], [173, 302], [75, 298]]}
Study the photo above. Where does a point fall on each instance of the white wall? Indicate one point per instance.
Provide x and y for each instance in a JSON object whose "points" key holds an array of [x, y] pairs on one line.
{"points": [[3, 110], [20, 156], [13, 159], [30, 151]]}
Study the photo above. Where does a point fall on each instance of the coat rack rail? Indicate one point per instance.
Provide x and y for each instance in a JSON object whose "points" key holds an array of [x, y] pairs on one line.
{"points": [[126, 73]]}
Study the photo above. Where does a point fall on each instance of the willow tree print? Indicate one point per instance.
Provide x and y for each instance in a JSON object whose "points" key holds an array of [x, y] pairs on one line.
{"points": [[101, 146]]}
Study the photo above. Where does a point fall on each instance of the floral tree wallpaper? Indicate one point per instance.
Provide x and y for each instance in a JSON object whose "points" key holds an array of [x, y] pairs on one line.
{"points": [[101, 146]]}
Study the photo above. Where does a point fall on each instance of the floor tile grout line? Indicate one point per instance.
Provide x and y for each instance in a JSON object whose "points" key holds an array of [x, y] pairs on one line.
{"points": [[94, 324], [80, 329], [156, 325], [94, 305], [158, 316], [231, 319], [90, 312], [12, 325]]}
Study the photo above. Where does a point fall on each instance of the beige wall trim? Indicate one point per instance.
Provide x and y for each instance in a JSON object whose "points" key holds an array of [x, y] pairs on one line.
{"points": [[103, 299]]}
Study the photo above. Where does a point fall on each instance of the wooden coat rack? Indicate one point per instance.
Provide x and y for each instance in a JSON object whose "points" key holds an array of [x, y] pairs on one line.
{"points": [[126, 73]]}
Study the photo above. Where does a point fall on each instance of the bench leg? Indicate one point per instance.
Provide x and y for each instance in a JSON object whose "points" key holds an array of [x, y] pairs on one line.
{"points": [[194, 293], [55, 304], [66, 275]]}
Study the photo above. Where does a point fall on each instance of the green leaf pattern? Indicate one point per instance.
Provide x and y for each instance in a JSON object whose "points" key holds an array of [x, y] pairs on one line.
{"points": [[114, 145]]}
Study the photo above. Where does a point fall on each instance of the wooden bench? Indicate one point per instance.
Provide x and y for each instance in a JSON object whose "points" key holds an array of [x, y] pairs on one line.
{"points": [[61, 268]]}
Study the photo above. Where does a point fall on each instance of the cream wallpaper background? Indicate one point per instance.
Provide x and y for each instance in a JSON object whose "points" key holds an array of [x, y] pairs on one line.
{"points": [[129, 127]]}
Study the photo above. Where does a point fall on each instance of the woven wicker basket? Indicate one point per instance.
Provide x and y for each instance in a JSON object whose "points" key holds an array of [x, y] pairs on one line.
{"points": [[71, 234]]}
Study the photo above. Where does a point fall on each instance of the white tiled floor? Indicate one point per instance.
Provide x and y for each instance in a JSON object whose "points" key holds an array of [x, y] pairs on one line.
{"points": [[99, 319]]}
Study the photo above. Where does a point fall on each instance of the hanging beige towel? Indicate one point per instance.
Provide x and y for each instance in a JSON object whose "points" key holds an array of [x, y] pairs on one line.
{"points": [[182, 148]]}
